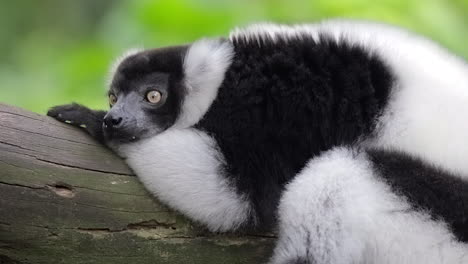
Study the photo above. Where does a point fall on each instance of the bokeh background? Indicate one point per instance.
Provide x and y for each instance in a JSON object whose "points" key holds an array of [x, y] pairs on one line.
{"points": [[58, 51]]}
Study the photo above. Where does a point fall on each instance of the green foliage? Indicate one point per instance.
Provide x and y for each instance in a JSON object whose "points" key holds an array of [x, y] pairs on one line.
{"points": [[54, 52]]}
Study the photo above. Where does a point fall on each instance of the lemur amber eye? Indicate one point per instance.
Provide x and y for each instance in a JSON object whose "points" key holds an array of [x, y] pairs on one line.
{"points": [[112, 99], [153, 96]]}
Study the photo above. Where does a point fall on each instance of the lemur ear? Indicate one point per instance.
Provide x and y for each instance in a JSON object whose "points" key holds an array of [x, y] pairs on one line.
{"points": [[118, 61], [205, 64]]}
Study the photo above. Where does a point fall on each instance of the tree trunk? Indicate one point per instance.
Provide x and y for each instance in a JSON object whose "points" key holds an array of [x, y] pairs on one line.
{"points": [[64, 198]]}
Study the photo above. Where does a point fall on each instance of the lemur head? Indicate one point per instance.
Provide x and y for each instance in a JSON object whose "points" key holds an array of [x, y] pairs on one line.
{"points": [[156, 89]]}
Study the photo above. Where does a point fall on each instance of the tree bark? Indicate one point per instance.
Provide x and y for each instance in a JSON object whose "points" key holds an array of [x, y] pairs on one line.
{"points": [[64, 198]]}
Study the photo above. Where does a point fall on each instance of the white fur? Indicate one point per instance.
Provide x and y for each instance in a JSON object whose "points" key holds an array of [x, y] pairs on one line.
{"points": [[337, 211], [205, 63], [428, 113], [118, 61], [183, 169], [269, 31]]}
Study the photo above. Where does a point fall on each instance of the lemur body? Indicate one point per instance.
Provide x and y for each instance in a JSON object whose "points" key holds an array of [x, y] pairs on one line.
{"points": [[348, 136]]}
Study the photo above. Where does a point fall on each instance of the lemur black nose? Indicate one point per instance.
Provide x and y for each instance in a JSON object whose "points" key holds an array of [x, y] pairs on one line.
{"points": [[112, 122]]}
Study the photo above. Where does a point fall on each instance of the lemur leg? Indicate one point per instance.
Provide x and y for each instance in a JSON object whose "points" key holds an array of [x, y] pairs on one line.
{"points": [[183, 168], [80, 116], [338, 210], [314, 213]]}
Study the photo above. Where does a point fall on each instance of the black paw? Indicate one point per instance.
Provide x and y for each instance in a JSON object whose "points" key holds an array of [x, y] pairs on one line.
{"points": [[80, 116], [70, 113]]}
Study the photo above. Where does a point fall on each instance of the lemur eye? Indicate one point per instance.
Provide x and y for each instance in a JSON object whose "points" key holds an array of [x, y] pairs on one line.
{"points": [[153, 96], [112, 99]]}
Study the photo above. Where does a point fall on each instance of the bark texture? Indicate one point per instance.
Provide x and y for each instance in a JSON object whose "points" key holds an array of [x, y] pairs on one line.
{"points": [[64, 198]]}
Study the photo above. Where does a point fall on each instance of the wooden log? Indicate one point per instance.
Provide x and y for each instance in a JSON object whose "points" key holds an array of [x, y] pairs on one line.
{"points": [[64, 198]]}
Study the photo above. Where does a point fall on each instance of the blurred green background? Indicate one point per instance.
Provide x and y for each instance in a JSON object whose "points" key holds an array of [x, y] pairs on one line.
{"points": [[58, 51]]}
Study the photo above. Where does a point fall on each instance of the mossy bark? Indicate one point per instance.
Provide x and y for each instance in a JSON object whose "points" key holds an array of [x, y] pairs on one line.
{"points": [[66, 199]]}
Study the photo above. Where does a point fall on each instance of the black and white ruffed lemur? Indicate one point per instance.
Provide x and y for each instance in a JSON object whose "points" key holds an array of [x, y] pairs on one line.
{"points": [[351, 138]]}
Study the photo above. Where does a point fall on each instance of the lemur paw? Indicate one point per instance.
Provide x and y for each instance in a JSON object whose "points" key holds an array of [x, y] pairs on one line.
{"points": [[80, 116], [70, 113]]}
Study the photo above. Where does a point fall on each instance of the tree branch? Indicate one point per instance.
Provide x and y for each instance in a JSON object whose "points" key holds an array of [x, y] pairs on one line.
{"points": [[66, 199]]}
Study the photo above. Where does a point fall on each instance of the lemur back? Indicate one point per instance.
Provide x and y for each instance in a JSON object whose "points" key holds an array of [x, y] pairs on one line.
{"points": [[284, 101]]}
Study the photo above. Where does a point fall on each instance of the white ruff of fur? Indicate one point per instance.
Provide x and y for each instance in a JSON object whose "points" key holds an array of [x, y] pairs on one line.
{"points": [[205, 64], [183, 169]]}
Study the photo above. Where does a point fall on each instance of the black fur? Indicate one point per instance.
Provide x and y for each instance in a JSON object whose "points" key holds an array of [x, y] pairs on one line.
{"points": [[301, 261], [157, 69], [80, 116], [282, 103], [134, 68], [429, 189]]}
